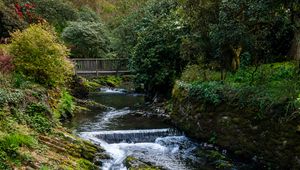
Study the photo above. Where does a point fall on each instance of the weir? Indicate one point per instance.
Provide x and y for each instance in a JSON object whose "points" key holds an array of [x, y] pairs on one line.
{"points": [[135, 136]]}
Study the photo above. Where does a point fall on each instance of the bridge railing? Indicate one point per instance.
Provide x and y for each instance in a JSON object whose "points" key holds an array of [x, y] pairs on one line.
{"points": [[100, 66]]}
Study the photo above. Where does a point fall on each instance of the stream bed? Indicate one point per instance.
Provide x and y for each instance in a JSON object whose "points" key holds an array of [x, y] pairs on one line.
{"points": [[123, 130]]}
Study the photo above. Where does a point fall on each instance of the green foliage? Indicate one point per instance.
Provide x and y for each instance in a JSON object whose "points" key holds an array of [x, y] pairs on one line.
{"points": [[78, 88], [156, 57], [3, 164], [9, 20], [112, 12], [19, 81], [36, 118], [194, 73], [85, 164], [259, 89], [210, 92], [45, 168], [91, 85], [37, 108], [215, 158], [40, 56], [10, 144], [264, 74], [40, 123], [58, 12], [260, 29], [11, 97], [87, 39], [65, 106], [88, 15], [111, 81]]}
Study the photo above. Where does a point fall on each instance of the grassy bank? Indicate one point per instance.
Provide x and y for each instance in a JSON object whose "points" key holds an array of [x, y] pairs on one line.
{"points": [[254, 113], [31, 135]]}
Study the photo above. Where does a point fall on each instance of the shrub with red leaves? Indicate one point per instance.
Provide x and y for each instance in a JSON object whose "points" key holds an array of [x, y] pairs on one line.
{"points": [[6, 64], [25, 11]]}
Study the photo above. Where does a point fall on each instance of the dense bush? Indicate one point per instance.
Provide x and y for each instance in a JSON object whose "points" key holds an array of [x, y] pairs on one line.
{"points": [[11, 96], [39, 55], [9, 145], [231, 32], [65, 106], [197, 73], [263, 88], [40, 123], [111, 81], [12, 142], [210, 92], [37, 116], [9, 20], [264, 74], [57, 12], [6, 64], [86, 39], [88, 15]]}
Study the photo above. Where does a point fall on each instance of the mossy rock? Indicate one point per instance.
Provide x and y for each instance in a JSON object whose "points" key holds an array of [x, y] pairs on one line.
{"points": [[83, 164], [135, 164]]}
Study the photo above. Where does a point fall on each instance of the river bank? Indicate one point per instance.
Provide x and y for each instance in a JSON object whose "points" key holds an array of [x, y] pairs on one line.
{"points": [[253, 122], [31, 135]]}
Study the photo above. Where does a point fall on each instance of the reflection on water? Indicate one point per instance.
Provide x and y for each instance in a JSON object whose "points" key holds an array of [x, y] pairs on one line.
{"points": [[121, 115]]}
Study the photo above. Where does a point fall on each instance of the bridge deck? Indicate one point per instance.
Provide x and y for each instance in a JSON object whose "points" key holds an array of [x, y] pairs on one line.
{"points": [[99, 66]]}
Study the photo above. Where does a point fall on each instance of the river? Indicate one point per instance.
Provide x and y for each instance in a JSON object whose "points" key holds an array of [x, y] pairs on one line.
{"points": [[123, 130]]}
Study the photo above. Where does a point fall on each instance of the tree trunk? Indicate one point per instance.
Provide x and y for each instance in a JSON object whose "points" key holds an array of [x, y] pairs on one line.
{"points": [[223, 74], [295, 49], [236, 59]]}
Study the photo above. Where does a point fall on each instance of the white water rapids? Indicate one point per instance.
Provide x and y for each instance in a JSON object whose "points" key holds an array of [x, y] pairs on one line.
{"points": [[166, 151], [123, 131]]}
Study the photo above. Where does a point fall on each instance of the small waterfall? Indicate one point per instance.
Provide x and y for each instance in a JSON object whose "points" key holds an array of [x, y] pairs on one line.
{"points": [[113, 90], [135, 136], [161, 147]]}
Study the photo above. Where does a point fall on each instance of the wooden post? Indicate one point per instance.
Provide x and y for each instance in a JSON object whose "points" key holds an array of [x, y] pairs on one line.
{"points": [[97, 67]]}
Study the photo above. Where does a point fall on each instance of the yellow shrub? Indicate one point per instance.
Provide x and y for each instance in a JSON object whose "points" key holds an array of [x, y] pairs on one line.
{"points": [[39, 55]]}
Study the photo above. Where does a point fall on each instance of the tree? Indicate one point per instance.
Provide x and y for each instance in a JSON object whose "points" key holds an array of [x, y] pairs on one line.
{"points": [[233, 28], [156, 58], [58, 12], [87, 14], [9, 20], [86, 39]]}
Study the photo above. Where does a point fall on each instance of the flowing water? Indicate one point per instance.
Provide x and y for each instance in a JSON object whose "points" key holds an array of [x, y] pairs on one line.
{"points": [[124, 131]]}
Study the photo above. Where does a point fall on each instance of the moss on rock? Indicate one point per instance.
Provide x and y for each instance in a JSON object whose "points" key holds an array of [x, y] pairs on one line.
{"points": [[135, 164]]}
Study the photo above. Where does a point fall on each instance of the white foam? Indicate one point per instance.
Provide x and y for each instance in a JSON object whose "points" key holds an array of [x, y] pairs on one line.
{"points": [[103, 120], [112, 90], [130, 131], [163, 152]]}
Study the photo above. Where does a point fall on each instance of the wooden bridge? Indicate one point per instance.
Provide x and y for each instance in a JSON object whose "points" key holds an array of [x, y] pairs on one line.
{"points": [[91, 67]]}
